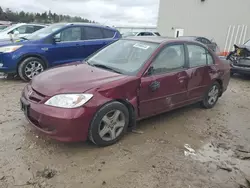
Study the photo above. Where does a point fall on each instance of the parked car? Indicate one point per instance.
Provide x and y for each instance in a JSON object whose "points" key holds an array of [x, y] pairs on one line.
{"points": [[128, 80], [3, 27], [54, 45], [212, 45], [19, 30], [142, 33], [240, 59]]}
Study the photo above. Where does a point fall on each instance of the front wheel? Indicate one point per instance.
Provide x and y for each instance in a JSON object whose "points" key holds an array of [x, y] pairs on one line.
{"points": [[30, 67], [109, 124], [212, 96]]}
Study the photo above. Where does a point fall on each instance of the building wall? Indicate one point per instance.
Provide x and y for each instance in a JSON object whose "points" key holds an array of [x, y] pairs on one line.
{"points": [[211, 19]]}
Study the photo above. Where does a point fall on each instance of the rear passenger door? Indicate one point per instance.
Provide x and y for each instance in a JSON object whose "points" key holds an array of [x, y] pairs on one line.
{"points": [[95, 38], [201, 70]]}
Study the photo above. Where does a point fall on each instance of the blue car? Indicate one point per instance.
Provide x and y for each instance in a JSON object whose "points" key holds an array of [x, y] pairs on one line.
{"points": [[54, 45]]}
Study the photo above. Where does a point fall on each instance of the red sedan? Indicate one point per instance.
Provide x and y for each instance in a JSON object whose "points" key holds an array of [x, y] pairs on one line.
{"points": [[129, 80]]}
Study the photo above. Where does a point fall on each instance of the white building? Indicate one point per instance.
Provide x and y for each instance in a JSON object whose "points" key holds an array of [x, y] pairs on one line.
{"points": [[225, 21]]}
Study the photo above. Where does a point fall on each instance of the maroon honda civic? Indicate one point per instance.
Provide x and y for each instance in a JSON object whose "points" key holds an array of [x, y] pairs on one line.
{"points": [[131, 79]]}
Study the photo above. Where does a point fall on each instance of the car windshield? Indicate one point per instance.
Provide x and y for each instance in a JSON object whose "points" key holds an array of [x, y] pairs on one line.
{"points": [[124, 56], [8, 28], [3, 27], [45, 32]]}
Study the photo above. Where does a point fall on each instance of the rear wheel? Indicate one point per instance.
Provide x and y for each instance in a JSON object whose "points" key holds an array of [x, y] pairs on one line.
{"points": [[109, 124], [212, 96], [30, 67]]}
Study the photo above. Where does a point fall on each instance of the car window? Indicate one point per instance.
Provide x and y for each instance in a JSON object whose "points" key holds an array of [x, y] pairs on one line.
{"points": [[108, 33], [158, 34], [92, 33], [37, 28], [203, 40], [198, 56], [125, 56], [169, 59], [145, 34], [70, 34], [24, 29], [148, 34], [210, 60]]}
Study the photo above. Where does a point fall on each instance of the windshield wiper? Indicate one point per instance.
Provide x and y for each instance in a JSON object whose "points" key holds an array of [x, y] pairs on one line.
{"points": [[106, 67]]}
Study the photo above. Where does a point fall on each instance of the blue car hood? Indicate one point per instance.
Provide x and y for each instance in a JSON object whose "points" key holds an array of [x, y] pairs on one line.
{"points": [[8, 42]]}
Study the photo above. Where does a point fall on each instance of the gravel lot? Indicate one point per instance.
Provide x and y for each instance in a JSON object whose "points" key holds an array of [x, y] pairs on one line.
{"points": [[156, 158]]}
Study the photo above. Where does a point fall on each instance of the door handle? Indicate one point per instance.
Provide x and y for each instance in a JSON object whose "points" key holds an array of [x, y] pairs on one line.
{"points": [[154, 86], [182, 78]]}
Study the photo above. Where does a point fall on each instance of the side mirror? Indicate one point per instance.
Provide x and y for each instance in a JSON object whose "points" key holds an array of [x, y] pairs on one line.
{"points": [[150, 71], [55, 40]]}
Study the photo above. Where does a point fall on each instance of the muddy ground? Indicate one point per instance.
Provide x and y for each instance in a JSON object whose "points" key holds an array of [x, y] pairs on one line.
{"points": [[220, 138]]}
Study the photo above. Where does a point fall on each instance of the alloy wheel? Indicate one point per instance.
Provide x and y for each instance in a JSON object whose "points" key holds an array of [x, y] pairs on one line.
{"points": [[213, 95], [112, 125], [33, 68]]}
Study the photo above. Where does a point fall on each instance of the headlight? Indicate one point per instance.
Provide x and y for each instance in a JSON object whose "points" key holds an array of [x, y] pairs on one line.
{"points": [[8, 49], [69, 100]]}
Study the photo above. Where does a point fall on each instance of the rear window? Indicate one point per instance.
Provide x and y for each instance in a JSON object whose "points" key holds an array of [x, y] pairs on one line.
{"points": [[158, 34], [93, 33], [108, 33], [38, 28]]}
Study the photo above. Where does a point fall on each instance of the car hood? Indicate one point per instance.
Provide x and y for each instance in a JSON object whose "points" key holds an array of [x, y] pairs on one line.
{"points": [[72, 78], [8, 42]]}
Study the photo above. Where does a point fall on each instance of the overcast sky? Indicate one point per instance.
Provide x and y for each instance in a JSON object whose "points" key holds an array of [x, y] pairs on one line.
{"points": [[110, 12]]}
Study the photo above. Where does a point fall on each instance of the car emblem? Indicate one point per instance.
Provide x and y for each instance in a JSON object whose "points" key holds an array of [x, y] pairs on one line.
{"points": [[30, 93]]}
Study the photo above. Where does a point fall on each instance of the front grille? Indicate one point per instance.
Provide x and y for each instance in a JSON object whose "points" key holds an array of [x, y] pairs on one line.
{"points": [[34, 95]]}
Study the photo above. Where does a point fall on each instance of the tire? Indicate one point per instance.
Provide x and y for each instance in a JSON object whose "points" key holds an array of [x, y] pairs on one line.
{"points": [[26, 63], [207, 102], [99, 126]]}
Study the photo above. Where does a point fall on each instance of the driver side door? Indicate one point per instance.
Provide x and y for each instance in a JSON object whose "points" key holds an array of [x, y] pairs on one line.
{"points": [[164, 87], [67, 47]]}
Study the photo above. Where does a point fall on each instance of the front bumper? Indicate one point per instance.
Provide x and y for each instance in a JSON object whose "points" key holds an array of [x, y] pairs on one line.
{"points": [[240, 70], [66, 125], [8, 63]]}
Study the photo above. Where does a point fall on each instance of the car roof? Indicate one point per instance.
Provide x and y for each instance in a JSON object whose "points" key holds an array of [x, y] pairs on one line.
{"points": [[153, 39], [85, 24]]}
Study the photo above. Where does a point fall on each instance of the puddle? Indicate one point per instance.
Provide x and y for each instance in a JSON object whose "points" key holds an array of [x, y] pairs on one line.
{"points": [[209, 153], [223, 157]]}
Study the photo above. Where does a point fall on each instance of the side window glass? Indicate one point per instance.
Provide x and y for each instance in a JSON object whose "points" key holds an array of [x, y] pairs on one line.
{"points": [[206, 41], [29, 29], [198, 56], [108, 33], [21, 29], [70, 34], [36, 28], [92, 33], [210, 60], [169, 59], [148, 34]]}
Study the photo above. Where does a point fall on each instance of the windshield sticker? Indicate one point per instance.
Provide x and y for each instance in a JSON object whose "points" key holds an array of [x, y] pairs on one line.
{"points": [[141, 46]]}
